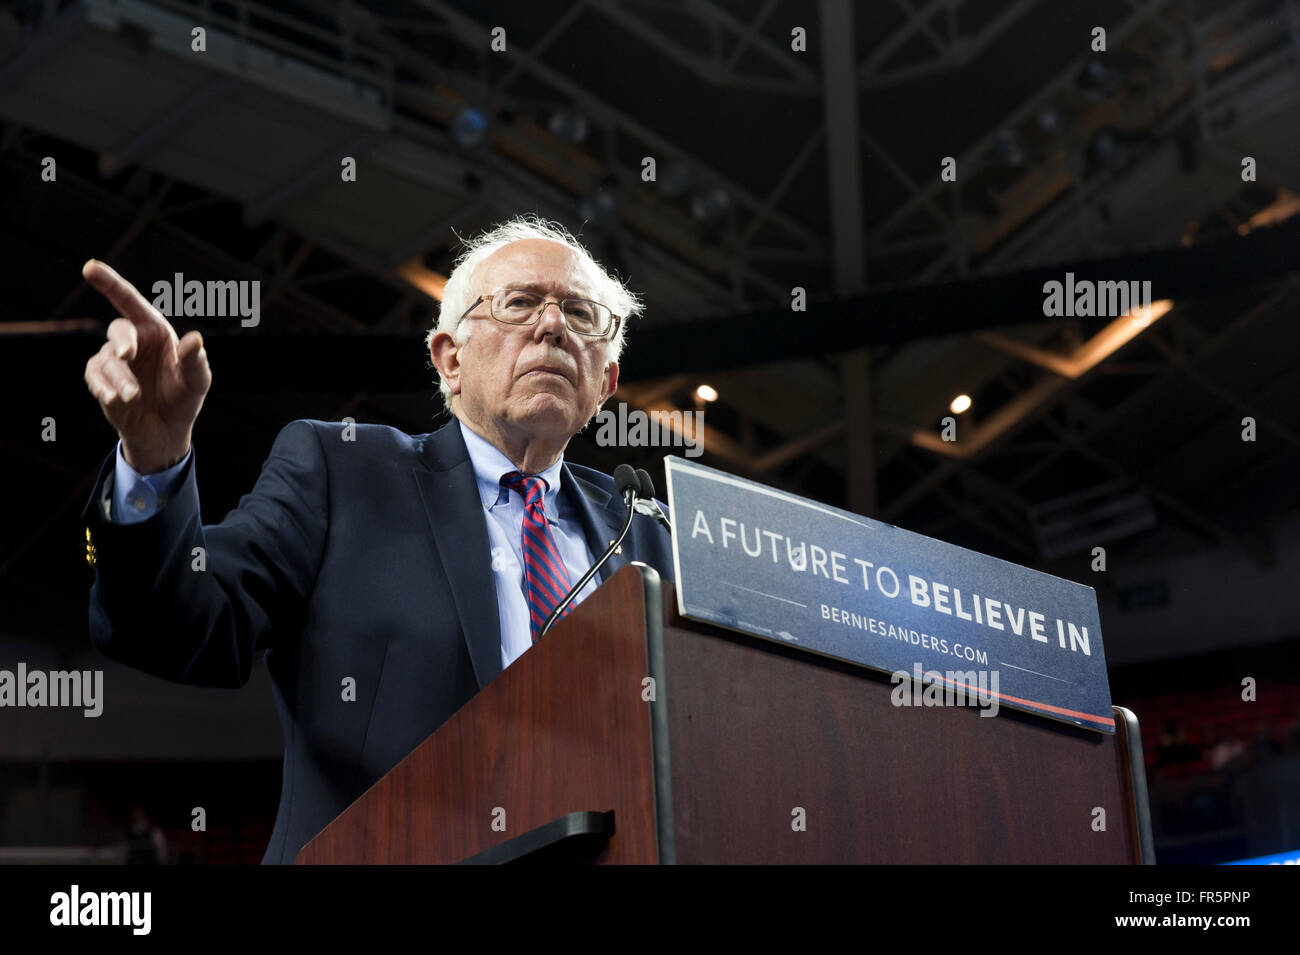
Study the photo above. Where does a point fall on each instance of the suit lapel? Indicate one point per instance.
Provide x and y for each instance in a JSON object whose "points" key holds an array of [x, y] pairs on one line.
{"points": [[602, 515], [451, 503]]}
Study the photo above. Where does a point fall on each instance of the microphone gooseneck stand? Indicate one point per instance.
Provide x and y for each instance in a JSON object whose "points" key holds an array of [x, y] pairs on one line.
{"points": [[626, 479]]}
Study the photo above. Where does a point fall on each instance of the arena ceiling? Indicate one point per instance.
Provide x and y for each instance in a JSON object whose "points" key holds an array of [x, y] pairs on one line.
{"points": [[776, 169]]}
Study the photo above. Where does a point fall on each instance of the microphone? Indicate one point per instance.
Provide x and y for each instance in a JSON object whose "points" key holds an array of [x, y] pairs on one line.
{"points": [[647, 503], [628, 483]]}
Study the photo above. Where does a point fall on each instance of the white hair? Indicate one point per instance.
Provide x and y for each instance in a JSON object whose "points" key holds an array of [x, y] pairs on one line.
{"points": [[458, 295]]}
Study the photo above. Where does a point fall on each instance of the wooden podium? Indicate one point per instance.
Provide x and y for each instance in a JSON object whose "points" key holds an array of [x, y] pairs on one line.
{"points": [[749, 752]]}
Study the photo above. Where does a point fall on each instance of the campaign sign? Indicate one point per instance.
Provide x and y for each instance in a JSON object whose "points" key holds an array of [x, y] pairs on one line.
{"points": [[955, 622]]}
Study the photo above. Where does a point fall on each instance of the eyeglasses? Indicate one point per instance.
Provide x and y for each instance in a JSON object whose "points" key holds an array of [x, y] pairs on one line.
{"points": [[514, 306]]}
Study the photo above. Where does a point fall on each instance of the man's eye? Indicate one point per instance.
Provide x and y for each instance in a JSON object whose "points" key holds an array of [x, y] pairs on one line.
{"points": [[521, 300], [580, 310]]}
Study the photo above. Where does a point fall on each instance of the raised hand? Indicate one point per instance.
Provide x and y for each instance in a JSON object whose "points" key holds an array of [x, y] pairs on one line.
{"points": [[149, 383]]}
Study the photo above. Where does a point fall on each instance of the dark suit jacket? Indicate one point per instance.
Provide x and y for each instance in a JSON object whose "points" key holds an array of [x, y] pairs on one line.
{"points": [[366, 559]]}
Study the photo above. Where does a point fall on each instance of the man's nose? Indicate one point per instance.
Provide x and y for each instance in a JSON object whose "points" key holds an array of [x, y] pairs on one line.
{"points": [[552, 322]]}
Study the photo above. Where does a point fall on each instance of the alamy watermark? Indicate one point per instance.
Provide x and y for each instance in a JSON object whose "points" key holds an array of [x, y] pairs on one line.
{"points": [[946, 688], [1086, 298], [195, 299], [77, 908], [635, 428], [84, 688]]}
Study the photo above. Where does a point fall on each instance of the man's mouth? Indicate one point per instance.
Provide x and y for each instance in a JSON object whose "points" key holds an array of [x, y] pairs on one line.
{"points": [[546, 370]]}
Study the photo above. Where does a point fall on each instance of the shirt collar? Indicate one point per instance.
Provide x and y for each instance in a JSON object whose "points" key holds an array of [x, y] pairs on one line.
{"points": [[490, 463]]}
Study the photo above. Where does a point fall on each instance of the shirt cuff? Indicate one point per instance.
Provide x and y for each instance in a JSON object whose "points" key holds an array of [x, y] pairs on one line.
{"points": [[138, 497]]}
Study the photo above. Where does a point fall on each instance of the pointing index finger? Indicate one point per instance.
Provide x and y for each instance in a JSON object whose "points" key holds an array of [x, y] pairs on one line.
{"points": [[124, 296]]}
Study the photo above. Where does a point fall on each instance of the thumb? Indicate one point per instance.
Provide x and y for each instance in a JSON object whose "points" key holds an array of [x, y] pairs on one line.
{"points": [[192, 359]]}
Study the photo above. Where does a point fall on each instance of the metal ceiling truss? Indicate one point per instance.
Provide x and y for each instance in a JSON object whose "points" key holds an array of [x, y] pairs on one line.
{"points": [[898, 233], [152, 214], [730, 40], [1079, 220], [364, 61], [475, 35], [1191, 515], [938, 22], [971, 510], [1189, 365], [369, 49], [531, 147], [146, 214], [950, 50], [1204, 349]]}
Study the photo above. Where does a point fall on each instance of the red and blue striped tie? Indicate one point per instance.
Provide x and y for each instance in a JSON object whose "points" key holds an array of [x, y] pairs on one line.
{"points": [[546, 580]]}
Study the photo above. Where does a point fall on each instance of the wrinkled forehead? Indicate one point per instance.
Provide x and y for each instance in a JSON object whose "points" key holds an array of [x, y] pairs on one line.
{"points": [[537, 265]]}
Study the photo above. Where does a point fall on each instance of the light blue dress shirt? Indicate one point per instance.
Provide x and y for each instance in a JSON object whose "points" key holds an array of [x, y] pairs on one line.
{"points": [[503, 511], [137, 497]]}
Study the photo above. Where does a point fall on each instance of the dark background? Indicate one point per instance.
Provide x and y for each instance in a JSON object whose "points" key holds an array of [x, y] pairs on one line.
{"points": [[776, 169]]}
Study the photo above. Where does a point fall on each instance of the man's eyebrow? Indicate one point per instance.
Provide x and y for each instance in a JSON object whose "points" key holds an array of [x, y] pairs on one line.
{"points": [[555, 287]]}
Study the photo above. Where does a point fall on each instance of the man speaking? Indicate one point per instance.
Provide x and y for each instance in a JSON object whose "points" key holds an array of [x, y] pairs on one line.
{"points": [[412, 569]]}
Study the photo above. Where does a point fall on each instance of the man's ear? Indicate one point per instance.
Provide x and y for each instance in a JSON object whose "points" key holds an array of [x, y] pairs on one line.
{"points": [[610, 383], [445, 355]]}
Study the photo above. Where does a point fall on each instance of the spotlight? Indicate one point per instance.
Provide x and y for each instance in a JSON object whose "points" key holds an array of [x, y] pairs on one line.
{"points": [[469, 128], [598, 207], [706, 393], [709, 204], [1010, 147], [959, 404], [1050, 121], [1110, 149], [568, 125], [1097, 82]]}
